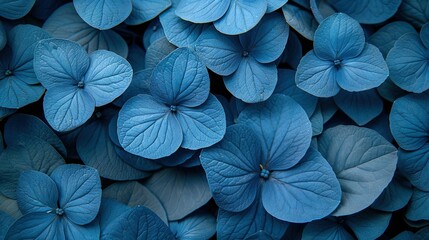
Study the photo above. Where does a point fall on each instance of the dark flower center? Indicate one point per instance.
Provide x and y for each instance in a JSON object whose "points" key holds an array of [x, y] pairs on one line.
{"points": [[337, 62], [59, 211], [245, 53], [264, 172], [173, 108], [8, 72], [80, 84]]}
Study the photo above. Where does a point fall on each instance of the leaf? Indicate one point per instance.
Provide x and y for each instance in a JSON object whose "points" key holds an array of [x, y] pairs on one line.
{"points": [[110, 210], [36, 192], [67, 107], [180, 79], [369, 224], [325, 229], [148, 129], [417, 207], [146, 10], [395, 196], [267, 40], [221, 53], [259, 235], [10, 207], [3, 36], [80, 192], [253, 81], [240, 225], [317, 121], [157, 51], [136, 57], [202, 11], [16, 93], [65, 23], [316, 76], [203, 125], [198, 225], [7, 221], [366, 71], [363, 161], [140, 84], [137, 223], [103, 14], [301, 20], [232, 168], [289, 194], [181, 191], [242, 15], [15, 9], [414, 165], [36, 226], [132, 193], [282, 127], [293, 51], [390, 91], [415, 12], [275, 4], [424, 33], [408, 65], [408, 121], [75, 231]]}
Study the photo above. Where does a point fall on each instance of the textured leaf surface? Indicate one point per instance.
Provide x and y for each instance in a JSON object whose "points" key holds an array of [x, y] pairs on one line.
{"points": [[396, 195], [146, 10], [195, 226], [325, 229], [36, 226], [301, 20], [157, 51], [417, 208], [414, 166], [369, 224], [202, 11], [15, 9]]}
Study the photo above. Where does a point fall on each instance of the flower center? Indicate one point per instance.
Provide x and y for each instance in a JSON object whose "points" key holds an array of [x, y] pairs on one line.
{"points": [[264, 172], [8, 72], [59, 211], [337, 62], [80, 84], [245, 53], [173, 108]]}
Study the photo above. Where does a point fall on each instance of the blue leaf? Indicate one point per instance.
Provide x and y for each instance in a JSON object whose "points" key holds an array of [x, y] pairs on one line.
{"points": [[414, 165], [202, 126], [198, 225], [181, 191], [232, 168], [328, 107], [267, 40], [140, 84], [390, 91], [381, 125], [177, 158], [110, 210], [414, 11], [146, 10], [227, 109], [60, 63], [157, 51], [180, 79], [293, 51], [424, 33], [408, 64], [417, 208], [138, 223], [10, 207], [178, 31], [240, 225], [36, 226], [221, 53], [408, 121], [108, 76], [65, 23], [317, 121], [259, 235], [16, 93], [74, 231], [301, 20], [132, 194], [395, 196], [7, 221], [242, 15], [325, 229], [67, 107], [274, 5], [136, 57], [103, 14], [369, 224], [153, 32], [367, 12], [363, 161], [152, 131], [289, 195], [321, 9], [283, 128], [43, 9], [36, 192], [4, 112], [15, 9], [202, 11], [253, 81], [80, 192], [362, 107], [316, 76]]}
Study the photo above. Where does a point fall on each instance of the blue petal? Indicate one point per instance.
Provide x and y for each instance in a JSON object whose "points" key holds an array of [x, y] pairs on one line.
{"points": [[202, 11], [198, 225], [424, 33], [148, 128], [15, 9], [267, 40], [110, 210], [227, 109], [316, 76], [74, 231], [414, 11], [381, 125], [136, 58], [253, 81], [177, 158], [390, 91], [10, 207], [409, 121], [138, 223], [43, 9], [286, 85], [329, 108], [386, 36], [362, 107], [414, 165], [404, 235], [408, 65], [3, 36], [181, 191], [283, 128], [366, 71], [157, 51], [103, 14], [259, 235], [202, 126], [36, 192], [290, 195], [15, 93], [240, 225], [80, 192], [325, 229], [108, 76], [232, 168], [67, 107], [7, 221], [293, 51], [321, 9], [140, 84], [395, 196], [60, 63], [367, 11], [132, 194], [4, 112], [180, 79], [37, 226], [369, 224], [146, 10], [363, 161], [153, 32], [274, 5], [242, 15], [417, 208], [65, 23], [221, 53], [301, 20], [317, 121]]}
